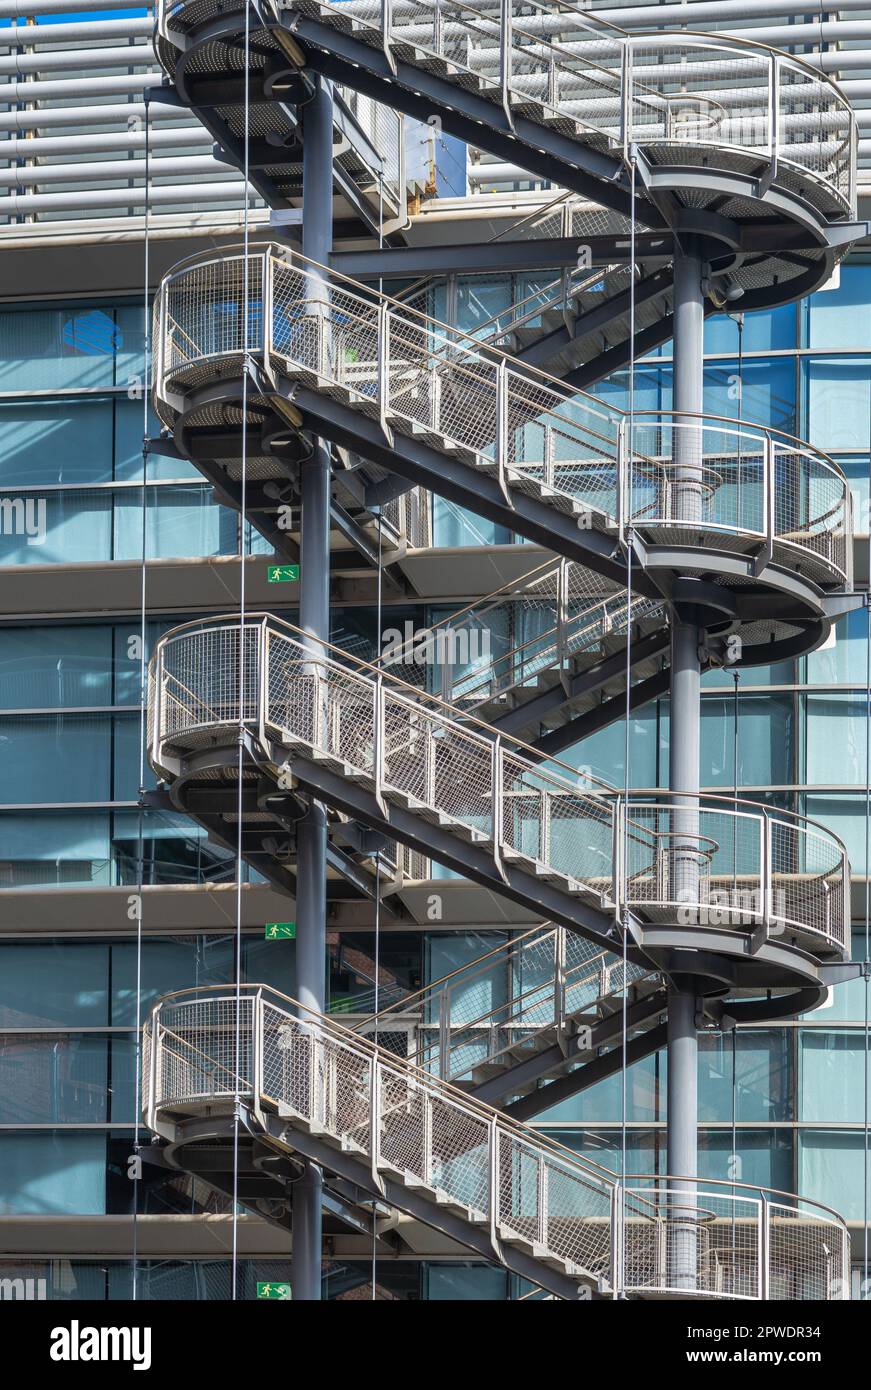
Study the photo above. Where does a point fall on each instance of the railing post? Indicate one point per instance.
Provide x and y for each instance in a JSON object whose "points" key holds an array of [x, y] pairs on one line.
{"points": [[767, 884], [626, 88], [502, 426], [493, 1185], [764, 1249], [384, 371], [257, 1056], [375, 1122], [622, 480], [562, 615], [427, 1138], [266, 312], [444, 1033], [774, 114], [378, 743], [157, 728], [618, 881], [618, 1218], [542, 1197], [387, 33], [496, 791], [559, 977], [506, 42], [155, 1069]]}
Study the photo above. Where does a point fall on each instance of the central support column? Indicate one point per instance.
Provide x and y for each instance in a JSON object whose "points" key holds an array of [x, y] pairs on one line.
{"points": [[686, 508], [314, 619]]}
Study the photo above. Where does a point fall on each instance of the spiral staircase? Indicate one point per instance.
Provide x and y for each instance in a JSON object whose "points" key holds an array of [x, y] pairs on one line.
{"points": [[662, 912]]}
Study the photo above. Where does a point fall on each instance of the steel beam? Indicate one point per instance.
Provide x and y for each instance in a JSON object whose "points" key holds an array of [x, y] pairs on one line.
{"points": [[505, 257]]}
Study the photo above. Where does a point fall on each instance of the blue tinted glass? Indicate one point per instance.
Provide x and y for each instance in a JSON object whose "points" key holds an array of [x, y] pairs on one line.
{"points": [[766, 330], [832, 1075], [56, 528], [844, 662], [60, 441], [55, 758], [763, 393], [54, 848], [45, 667], [52, 1174], [49, 349], [838, 317], [837, 403], [57, 1079], [50, 984]]}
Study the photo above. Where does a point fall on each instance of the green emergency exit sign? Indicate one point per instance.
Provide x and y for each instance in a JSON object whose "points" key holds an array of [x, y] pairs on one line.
{"points": [[279, 1291], [280, 931], [282, 574]]}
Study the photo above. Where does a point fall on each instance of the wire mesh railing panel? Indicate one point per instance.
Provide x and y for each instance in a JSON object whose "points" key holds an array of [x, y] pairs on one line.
{"points": [[692, 1240], [203, 681], [684, 1239], [204, 1050], [809, 1254], [683, 478], [809, 880]]}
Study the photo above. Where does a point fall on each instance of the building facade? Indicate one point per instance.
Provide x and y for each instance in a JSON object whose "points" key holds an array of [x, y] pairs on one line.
{"points": [[103, 540]]}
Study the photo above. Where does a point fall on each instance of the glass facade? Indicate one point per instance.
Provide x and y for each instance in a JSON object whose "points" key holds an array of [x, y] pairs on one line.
{"points": [[782, 1106]]}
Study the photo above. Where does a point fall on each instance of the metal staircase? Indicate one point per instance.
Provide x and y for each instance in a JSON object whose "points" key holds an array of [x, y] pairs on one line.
{"points": [[394, 1133], [702, 910]]}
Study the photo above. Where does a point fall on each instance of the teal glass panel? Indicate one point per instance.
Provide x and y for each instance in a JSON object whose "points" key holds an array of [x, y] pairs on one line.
{"points": [[767, 330], [166, 965], [831, 1168], [59, 1079], [603, 754], [54, 849], [53, 984], [837, 394], [602, 1103], [181, 521], [762, 393], [755, 1084], [845, 815], [52, 349], [844, 662], [57, 528], [56, 441], [838, 317], [48, 667], [763, 1157], [128, 447], [465, 1283], [836, 739], [453, 526], [766, 741], [55, 758], [52, 1174], [832, 1069]]}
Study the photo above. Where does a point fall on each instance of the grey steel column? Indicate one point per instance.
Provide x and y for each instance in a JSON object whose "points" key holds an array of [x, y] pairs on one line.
{"points": [[686, 505], [314, 619]]}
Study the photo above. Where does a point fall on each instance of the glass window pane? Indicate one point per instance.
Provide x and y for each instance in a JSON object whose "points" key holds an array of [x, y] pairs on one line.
{"points": [[45, 667], [56, 1079], [762, 1073], [54, 848], [836, 739], [831, 1170], [52, 1174], [60, 441], [837, 403], [52, 758], [843, 663], [53, 984], [832, 1072], [838, 318], [48, 349]]}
